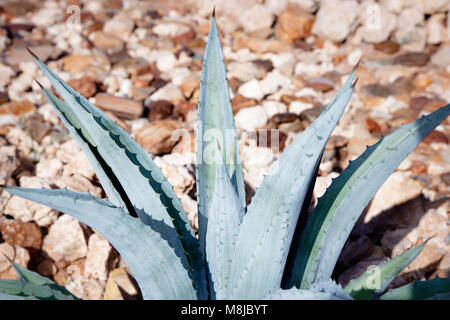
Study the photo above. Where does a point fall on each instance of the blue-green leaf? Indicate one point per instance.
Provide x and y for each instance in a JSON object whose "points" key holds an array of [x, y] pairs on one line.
{"points": [[376, 280], [436, 288], [268, 226], [153, 262], [338, 210], [223, 227], [215, 122]]}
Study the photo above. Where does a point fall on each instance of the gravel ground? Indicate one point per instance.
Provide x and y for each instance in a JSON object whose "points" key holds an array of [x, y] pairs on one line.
{"points": [[140, 61]]}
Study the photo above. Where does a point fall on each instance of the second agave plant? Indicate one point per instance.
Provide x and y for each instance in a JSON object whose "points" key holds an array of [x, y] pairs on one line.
{"points": [[270, 249]]}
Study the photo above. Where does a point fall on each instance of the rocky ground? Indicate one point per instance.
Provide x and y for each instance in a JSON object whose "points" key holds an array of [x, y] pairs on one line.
{"points": [[140, 61]]}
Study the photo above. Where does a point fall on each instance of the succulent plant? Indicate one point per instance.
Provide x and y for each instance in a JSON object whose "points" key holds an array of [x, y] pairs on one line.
{"points": [[270, 249]]}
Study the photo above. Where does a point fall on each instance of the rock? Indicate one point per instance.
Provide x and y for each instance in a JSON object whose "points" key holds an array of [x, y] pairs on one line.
{"points": [[397, 189], [170, 29], [170, 92], [240, 102], [46, 268], [336, 19], [84, 64], [173, 166], [119, 27], [190, 86], [443, 270], [37, 128], [99, 251], [186, 144], [105, 41], [274, 107], [436, 30], [359, 268], [85, 85], [411, 32], [166, 61], [441, 57], [119, 282], [49, 168], [258, 17], [436, 137], [23, 234], [9, 163], [413, 59], [377, 22], [121, 106], [320, 84], [6, 74], [388, 47], [293, 23], [251, 89], [17, 107], [14, 253], [286, 117], [184, 108], [311, 114], [244, 71], [26, 210], [78, 183], [158, 137], [160, 109], [373, 126], [65, 240], [251, 118], [79, 165], [430, 7]]}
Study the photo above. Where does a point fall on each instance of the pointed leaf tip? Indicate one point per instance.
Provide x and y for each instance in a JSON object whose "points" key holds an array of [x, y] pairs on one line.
{"points": [[214, 12], [39, 84]]}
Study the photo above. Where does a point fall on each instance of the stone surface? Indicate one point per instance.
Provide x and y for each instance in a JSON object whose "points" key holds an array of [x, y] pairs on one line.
{"points": [[65, 240], [121, 106], [9, 163], [119, 278], [23, 234], [14, 253], [26, 210], [158, 137], [336, 19], [251, 118], [294, 24], [97, 258]]}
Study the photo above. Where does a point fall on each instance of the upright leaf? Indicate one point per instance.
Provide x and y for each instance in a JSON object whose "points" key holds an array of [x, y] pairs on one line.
{"points": [[215, 122], [338, 210], [158, 270], [271, 218], [376, 280], [223, 227]]}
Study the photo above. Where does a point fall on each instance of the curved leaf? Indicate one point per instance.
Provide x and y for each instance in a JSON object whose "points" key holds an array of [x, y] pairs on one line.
{"points": [[157, 269], [338, 210], [436, 288], [376, 280]]}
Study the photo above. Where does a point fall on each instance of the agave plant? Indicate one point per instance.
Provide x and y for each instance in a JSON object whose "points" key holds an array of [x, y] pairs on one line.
{"points": [[270, 249]]}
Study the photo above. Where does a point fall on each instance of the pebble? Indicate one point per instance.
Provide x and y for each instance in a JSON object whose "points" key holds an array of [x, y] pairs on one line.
{"points": [[23, 234], [251, 89], [251, 118], [160, 109], [294, 23], [158, 137], [65, 240], [97, 258], [119, 281], [120, 106]]}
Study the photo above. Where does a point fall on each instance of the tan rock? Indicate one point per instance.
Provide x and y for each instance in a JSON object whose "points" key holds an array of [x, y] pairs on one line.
{"points": [[119, 278], [105, 41], [9, 163], [65, 240], [120, 106], [99, 251], [86, 64], [24, 234], [26, 210], [159, 136], [294, 23], [49, 168], [79, 165], [78, 183]]}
